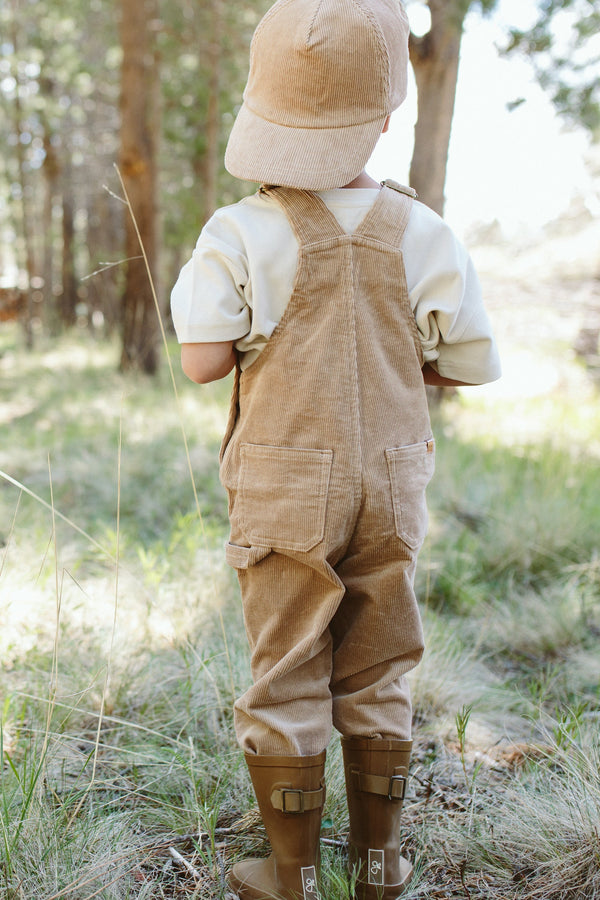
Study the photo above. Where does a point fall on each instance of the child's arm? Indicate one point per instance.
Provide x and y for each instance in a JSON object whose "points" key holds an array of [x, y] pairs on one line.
{"points": [[209, 305], [430, 376], [455, 332], [207, 362]]}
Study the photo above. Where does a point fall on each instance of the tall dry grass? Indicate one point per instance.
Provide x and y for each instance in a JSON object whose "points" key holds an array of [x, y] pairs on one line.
{"points": [[122, 645]]}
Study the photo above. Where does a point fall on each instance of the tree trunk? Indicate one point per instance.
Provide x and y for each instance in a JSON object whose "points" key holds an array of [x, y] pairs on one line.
{"points": [[138, 170], [51, 171], [68, 297], [435, 58], [28, 313], [213, 120]]}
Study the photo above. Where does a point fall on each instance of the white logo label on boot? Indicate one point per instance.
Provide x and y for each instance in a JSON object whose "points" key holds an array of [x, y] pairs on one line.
{"points": [[309, 883], [376, 867]]}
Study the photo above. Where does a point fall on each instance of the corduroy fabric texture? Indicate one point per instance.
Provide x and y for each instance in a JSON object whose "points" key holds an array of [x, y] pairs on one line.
{"points": [[324, 75], [326, 458]]}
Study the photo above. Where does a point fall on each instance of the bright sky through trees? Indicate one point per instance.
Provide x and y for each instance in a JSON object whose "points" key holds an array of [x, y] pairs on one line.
{"points": [[521, 167]]}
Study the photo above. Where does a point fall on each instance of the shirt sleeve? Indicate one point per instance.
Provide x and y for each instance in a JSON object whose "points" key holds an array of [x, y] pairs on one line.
{"points": [[445, 293], [208, 301]]}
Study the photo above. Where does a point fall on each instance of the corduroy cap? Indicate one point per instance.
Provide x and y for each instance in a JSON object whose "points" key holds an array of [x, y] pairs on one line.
{"points": [[324, 76]]}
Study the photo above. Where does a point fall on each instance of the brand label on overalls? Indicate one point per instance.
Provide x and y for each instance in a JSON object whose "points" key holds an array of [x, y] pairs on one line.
{"points": [[309, 883], [375, 866]]}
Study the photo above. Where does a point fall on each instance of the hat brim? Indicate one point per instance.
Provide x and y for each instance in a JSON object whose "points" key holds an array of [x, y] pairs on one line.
{"points": [[313, 159]]}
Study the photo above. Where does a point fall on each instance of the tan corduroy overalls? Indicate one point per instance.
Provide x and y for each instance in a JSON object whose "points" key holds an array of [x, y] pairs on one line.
{"points": [[326, 459]]}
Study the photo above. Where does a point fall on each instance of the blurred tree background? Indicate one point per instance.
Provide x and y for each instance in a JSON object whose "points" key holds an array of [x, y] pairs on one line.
{"points": [[148, 84], [154, 86]]}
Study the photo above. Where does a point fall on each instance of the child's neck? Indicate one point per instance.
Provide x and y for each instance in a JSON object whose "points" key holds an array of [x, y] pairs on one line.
{"points": [[363, 181]]}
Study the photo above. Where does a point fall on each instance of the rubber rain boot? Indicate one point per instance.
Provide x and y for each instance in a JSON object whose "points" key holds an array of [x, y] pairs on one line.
{"points": [[376, 776], [290, 792]]}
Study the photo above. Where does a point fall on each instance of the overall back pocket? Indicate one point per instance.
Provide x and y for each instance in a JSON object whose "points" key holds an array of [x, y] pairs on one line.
{"points": [[410, 470], [282, 495]]}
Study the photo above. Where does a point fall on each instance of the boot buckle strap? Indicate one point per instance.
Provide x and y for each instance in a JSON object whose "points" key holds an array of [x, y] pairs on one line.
{"points": [[294, 800], [393, 787]]}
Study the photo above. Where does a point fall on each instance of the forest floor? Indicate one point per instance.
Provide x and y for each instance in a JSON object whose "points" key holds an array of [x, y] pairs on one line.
{"points": [[122, 643]]}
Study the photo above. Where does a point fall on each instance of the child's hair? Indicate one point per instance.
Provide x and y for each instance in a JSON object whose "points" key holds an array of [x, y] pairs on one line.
{"points": [[324, 76]]}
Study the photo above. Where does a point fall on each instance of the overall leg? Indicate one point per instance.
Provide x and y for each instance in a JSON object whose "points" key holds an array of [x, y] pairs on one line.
{"points": [[289, 600], [283, 721], [377, 638]]}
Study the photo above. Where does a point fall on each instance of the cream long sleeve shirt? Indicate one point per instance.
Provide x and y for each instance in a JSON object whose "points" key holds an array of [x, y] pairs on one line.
{"points": [[238, 282]]}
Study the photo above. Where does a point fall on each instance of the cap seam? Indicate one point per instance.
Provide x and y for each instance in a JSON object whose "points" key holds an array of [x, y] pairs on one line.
{"points": [[264, 118], [312, 21], [384, 56]]}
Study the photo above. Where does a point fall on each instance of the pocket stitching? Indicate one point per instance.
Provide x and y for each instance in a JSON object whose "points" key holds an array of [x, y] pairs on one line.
{"points": [[322, 462]]}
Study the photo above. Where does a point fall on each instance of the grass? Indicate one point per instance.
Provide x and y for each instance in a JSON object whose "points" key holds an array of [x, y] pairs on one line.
{"points": [[123, 646]]}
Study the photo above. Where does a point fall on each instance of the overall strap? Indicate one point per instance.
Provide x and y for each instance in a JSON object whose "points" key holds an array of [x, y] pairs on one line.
{"points": [[387, 219], [309, 216]]}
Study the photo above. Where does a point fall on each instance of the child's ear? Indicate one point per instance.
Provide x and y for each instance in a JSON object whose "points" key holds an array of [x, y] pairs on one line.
{"points": [[386, 125]]}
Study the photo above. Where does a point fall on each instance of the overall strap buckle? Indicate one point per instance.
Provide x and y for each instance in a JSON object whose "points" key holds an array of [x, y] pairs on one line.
{"points": [[400, 188]]}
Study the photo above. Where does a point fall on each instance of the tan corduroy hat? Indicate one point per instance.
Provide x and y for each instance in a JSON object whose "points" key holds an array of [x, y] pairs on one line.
{"points": [[324, 76]]}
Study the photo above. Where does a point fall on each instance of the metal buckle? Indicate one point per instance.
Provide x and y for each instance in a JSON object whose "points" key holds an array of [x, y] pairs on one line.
{"points": [[397, 779], [297, 793]]}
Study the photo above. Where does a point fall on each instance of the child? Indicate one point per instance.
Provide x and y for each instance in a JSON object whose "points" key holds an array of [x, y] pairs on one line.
{"points": [[336, 300]]}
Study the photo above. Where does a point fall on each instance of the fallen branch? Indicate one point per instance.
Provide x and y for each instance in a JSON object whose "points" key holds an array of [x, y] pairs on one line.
{"points": [[332, 842], [183, 862]]}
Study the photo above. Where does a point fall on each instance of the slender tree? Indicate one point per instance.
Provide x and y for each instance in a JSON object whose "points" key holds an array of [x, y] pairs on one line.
{"points": [[435, 57], [22, 135], [137, 164], [68, 297], [212, 160]]}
